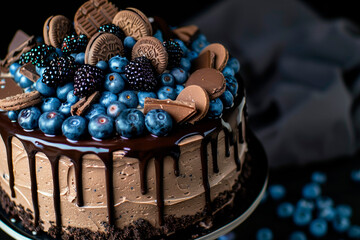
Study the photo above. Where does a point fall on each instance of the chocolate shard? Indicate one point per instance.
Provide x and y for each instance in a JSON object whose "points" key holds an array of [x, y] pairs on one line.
{"points": [[15, 52], [180, 111], [83, 104], [204, 60], [187, 33], [29, 71]]}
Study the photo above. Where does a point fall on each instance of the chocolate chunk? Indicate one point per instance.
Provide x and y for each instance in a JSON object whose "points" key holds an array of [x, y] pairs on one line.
{"points": [[20, 101], [103, 46], [133, 22], [221, 55], [212, 80], [83, 104], [16, 52], [29, 71], [180, 111], [187, 33], [92, 15], [154, 50], [204, 60], [198, 95]]}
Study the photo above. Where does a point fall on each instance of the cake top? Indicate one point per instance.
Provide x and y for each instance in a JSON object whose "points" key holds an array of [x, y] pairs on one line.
{"points": [[113, 73]]}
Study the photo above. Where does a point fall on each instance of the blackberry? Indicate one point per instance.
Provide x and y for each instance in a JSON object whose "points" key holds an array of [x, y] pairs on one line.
{"points": [[87, 80], [111, 28], [174, 53], [60, 71], [40, 55], [74, 43], [141, 75]]}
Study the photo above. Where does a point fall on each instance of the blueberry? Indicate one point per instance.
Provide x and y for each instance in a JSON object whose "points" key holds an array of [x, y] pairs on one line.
{"points": [[343, 210], [264, 234], [228, 71], [323, 202], [101, 126], [185, 64], [115, 108], [102, 65], [129, 42], [13, 115], [318, 227], [192, 55], [50, 104], [62, 91], [302, 217], [40, 70], [71, 97], [354, 232], [311, 191], [143, 95], [65, 108], [167, 79], [277, 191], [44, 89], [166, 92], [130, 123], [94, 110], [158, 35], [318, 177], [234, 64], [305, 204], [129, 98], [114, 83], [285, 210], [228, 236], [74, 127], [199, 43], [182, 46], [80, 58], [297, 235], [25, 82], [232, 85], [355, 175], [50, 122], [215, 109], [327, 213], [30, 89], [179, 88], [107, 98], [227, 99], [179, 74], [341, 224], [13, 67], [17, 75], [117, 64], [158, 122], [28, 118]]}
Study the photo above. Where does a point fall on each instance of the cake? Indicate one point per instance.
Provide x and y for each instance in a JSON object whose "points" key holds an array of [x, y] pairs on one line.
{"points": [[167, 153]]}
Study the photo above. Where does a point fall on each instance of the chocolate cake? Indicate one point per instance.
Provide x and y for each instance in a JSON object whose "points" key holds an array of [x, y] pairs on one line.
{"points": [[165, 154]]}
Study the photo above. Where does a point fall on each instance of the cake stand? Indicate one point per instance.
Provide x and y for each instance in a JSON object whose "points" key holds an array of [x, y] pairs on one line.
{"points": [[256, 186]]}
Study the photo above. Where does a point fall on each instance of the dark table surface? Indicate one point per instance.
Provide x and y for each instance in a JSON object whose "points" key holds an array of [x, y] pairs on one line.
{"points": [[339, 186]]}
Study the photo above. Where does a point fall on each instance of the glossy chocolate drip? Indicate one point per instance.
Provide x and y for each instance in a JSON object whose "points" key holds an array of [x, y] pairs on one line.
{"points": [[144, 149]]}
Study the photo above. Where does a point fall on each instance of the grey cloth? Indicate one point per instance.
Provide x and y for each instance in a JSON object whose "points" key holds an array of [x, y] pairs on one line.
{"points": [[294, 63]]}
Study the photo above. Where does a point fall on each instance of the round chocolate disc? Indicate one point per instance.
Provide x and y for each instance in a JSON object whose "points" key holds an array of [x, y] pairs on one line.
{"points": [[221, 55], [133, 22], [56, 28], [103, 46], [199, 96], [153, 49], [212, 80]]}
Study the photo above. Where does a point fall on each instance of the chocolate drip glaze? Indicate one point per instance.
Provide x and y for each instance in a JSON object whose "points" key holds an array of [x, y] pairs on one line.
{"points": [[144, 149]]}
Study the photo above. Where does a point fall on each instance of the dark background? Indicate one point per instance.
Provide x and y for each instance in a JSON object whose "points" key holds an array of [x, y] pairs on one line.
{"points": [[31, 15]]}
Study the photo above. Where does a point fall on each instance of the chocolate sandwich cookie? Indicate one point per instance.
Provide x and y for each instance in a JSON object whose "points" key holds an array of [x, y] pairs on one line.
{"points": [[92, 15], [133, 22], [198, 95], [153, 49], [20, 101], [103, 46], [221, 55], [212, 80], [55, 29]]}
